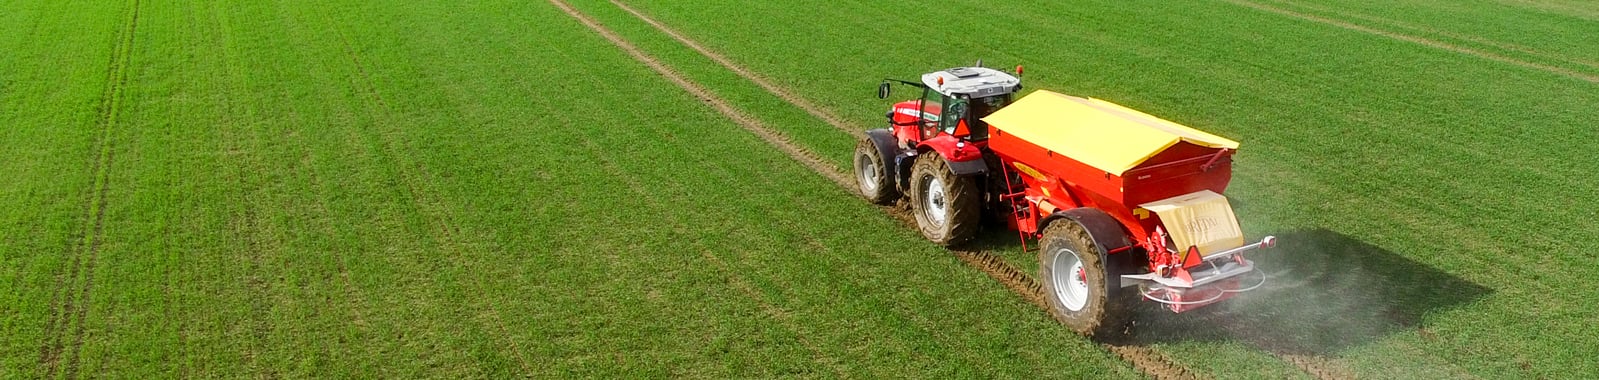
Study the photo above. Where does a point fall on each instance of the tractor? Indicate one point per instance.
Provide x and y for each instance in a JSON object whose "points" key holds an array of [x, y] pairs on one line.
{"points": [[1123, 205]]}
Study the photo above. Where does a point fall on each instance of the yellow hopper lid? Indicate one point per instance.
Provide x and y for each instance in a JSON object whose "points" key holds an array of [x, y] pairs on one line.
{"points": [[1102, 134]]}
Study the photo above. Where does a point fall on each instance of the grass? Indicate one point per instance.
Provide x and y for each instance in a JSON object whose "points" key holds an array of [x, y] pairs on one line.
{"points": [[489, 189], [48, 150], [450, 190], [1436, 190]]}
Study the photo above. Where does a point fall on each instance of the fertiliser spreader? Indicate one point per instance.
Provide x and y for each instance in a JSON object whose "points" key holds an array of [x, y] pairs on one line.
{"points": [[1122, 203]]}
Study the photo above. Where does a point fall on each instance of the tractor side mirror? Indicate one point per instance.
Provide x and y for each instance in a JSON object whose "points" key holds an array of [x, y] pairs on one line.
{"points": [[883, 90]]}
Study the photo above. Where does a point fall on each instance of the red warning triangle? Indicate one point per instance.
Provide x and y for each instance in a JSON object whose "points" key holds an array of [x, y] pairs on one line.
{"points": [[1192, 258]]}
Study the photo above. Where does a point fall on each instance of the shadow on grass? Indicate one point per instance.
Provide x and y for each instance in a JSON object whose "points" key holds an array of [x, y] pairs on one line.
{"points": [[1326, 292]]}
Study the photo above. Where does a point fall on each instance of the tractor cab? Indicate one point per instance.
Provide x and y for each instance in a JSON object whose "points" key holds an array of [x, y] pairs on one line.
{"points": [[953, 103]]}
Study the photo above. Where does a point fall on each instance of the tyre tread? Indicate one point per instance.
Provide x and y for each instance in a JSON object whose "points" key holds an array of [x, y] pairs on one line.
{"points": [[886, 192], [1108, 310], [964, 202]]}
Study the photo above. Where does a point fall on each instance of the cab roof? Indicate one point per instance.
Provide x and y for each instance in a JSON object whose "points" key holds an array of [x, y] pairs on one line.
{"points": [[974, 82], [1099, 133]]}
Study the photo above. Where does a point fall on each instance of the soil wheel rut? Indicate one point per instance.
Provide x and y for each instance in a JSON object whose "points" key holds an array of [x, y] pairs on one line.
{"points": [[749, 123], [1149, 360], [69, 305], [1591, 78], [1588, 65], [791, 98], [1144, 359]]}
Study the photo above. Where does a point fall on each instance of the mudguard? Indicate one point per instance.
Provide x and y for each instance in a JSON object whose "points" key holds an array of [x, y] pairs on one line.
{"points": [[1108, 235], [883, 139], [963, 158], [976, 166], [893, 157]]}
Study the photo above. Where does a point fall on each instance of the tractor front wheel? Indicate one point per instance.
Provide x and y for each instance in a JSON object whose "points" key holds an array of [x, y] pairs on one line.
{"points": [[872, 174], [945, 205], [1076, 283]]}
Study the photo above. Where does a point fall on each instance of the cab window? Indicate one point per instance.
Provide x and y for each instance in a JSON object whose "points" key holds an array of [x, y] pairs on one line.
{"points": [[954, 112], [932, 112], [980, 108]]}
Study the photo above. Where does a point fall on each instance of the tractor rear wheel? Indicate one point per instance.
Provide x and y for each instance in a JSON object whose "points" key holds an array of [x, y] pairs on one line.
{"points": [[946, 205], [872, 174], [1076, 282]]}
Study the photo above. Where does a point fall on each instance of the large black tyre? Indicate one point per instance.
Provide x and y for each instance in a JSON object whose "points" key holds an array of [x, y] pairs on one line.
{"points": [[872, 174], [1081, 292], [946, 205]]}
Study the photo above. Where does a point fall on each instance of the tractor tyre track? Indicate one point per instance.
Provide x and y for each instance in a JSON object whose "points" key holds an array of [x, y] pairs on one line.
{"points": [[1591, 78], [735, 280], [61, 305], [1586, 63], [70, 298], [749, 123], [791, 98], [1145, 360], [80, 309], [1320, 367], [413, 174]]}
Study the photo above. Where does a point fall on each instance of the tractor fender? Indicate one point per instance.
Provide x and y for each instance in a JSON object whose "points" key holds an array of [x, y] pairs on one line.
{"points": [[1107, 232], [963, 158], [883, 139], [893, 157], [1108, 235]]}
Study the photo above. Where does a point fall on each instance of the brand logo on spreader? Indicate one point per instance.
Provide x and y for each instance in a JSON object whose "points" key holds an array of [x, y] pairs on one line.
{"points": [[1201, 224]]}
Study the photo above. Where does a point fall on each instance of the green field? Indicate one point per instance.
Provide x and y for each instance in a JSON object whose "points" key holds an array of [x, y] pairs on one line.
{"points": [[494, 189]]}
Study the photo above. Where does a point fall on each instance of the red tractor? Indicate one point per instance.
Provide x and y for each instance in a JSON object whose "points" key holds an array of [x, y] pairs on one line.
{"points": [[1124, 205]]}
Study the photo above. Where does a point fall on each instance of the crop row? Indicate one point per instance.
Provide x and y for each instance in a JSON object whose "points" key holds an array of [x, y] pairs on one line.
{"points": [[446, 190], [1425, 185]]}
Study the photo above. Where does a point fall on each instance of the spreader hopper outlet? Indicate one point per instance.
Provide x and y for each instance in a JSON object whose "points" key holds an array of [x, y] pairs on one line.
{"points": [[1201, 219]]}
